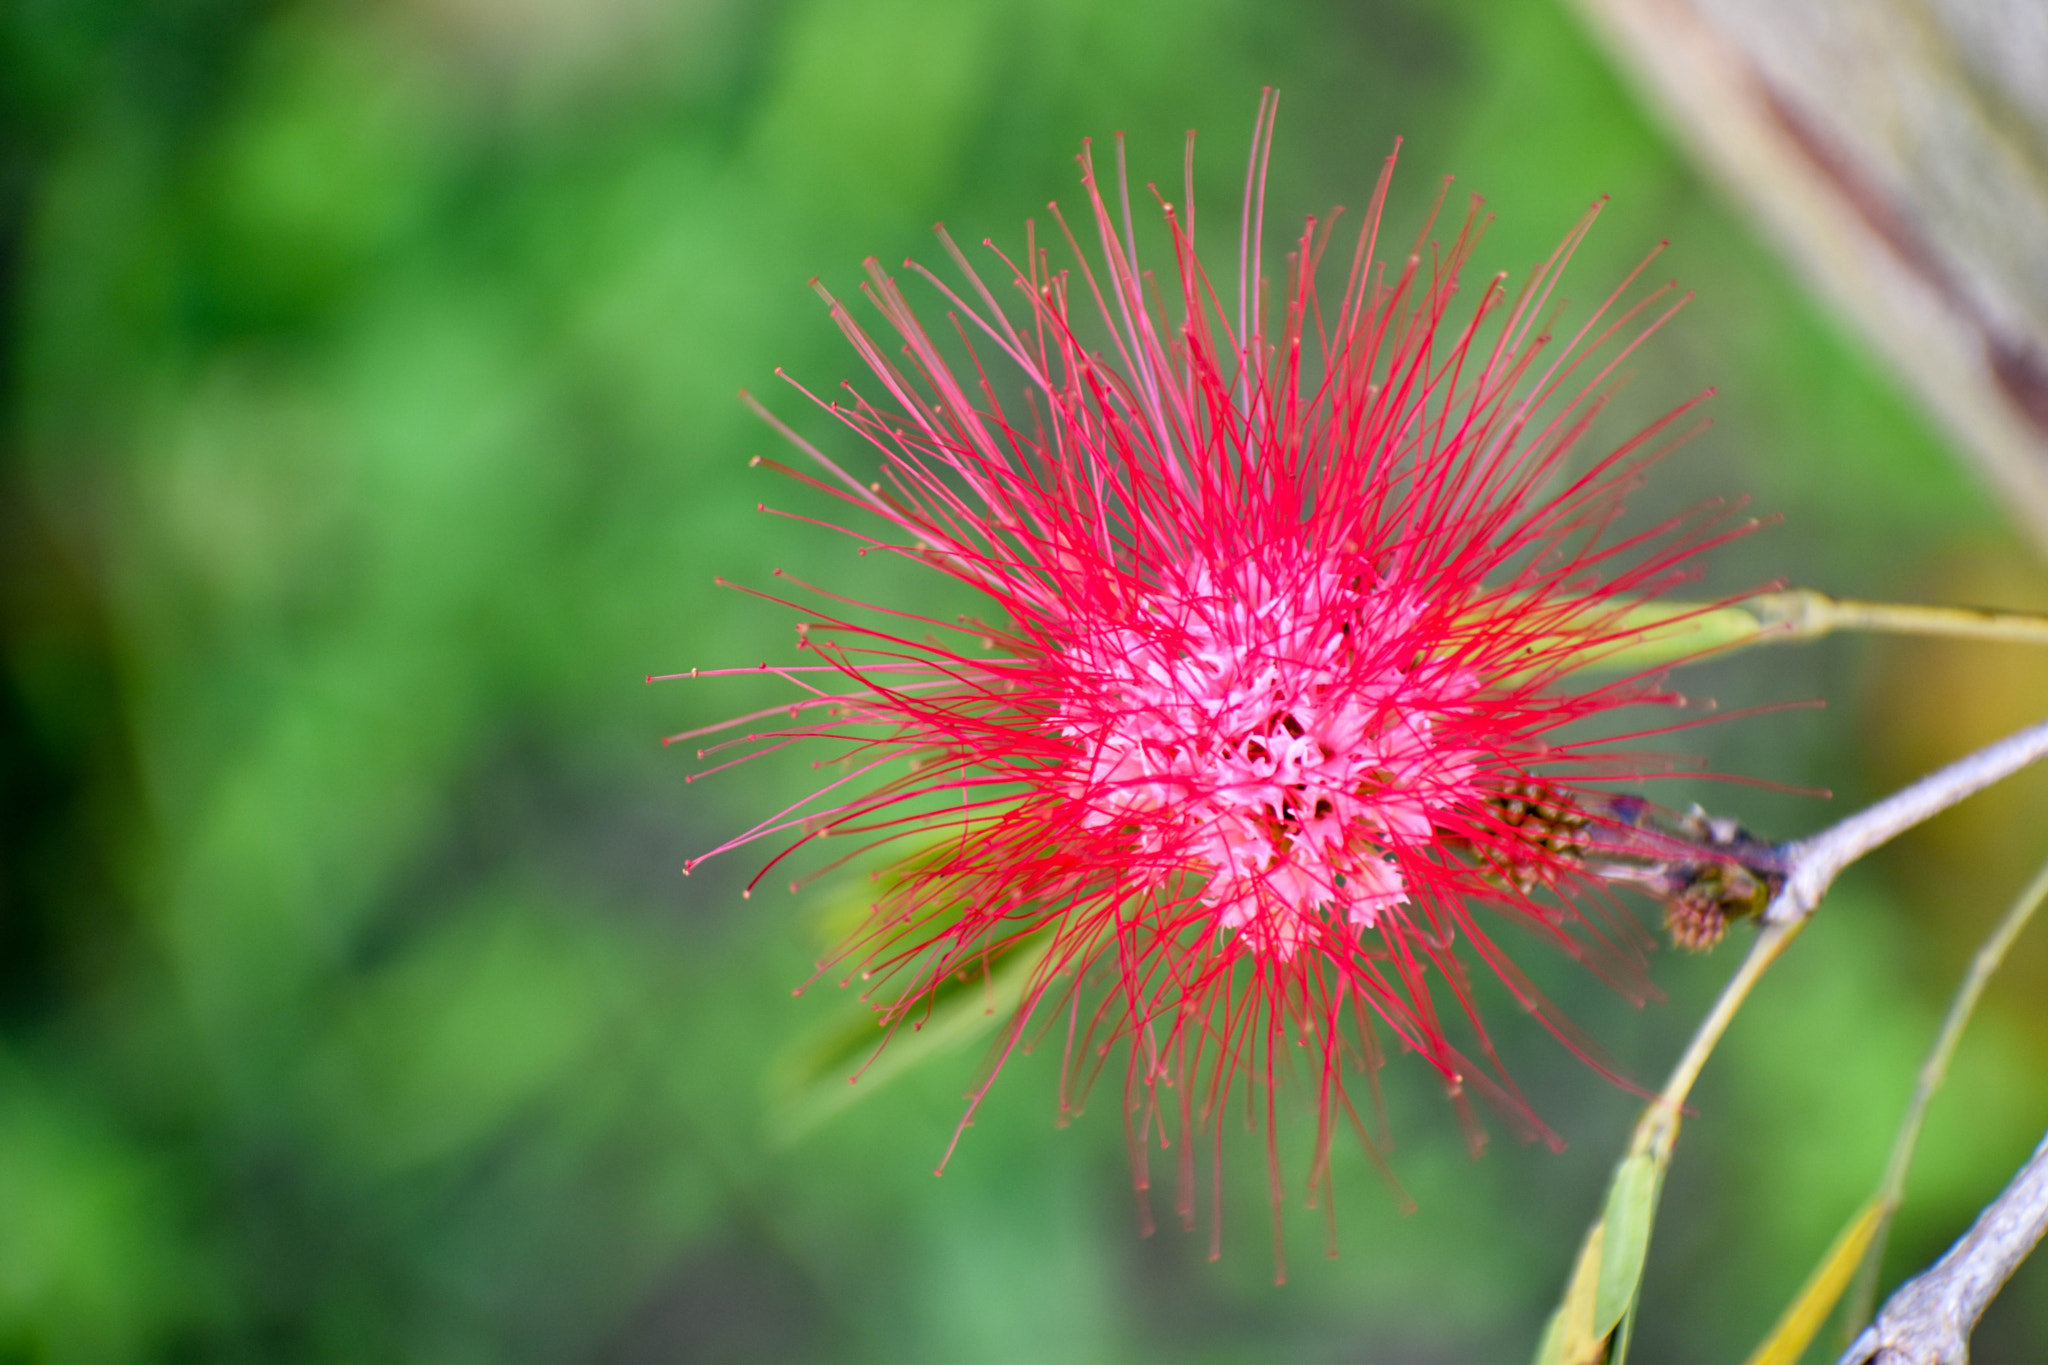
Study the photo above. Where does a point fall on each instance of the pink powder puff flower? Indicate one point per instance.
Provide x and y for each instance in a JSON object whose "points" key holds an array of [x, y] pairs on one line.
{"points": [[1267, 702]]}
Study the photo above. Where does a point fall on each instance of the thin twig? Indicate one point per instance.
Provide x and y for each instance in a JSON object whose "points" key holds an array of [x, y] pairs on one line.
{"points": [[1988, 957], [1657, 1130], [1807, 615], [1929, 1320], [1665, 631]]}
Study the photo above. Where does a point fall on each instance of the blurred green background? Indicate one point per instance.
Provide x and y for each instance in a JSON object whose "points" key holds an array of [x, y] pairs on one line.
{"points": [[370, 431]]}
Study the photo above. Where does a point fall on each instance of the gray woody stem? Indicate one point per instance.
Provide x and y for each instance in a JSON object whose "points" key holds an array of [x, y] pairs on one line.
{"points": [[1929, 1320], [1816, 862]]}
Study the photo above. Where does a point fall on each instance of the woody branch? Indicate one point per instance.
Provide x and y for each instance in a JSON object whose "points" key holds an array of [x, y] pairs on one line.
{"points": [[1929, 1320]]}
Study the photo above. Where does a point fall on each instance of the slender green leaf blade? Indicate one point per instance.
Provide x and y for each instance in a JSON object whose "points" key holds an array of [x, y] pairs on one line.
{"points": [[1631, 1208]]}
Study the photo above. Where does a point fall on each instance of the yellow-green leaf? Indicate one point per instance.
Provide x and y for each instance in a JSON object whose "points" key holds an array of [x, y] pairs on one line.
{"points": [[1817, 1298], [1550, 1348], [1671, 631], [1569, 1339]]}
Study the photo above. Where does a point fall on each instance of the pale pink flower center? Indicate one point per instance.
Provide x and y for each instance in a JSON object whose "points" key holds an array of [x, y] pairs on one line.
{"points": [[1275, 728]]}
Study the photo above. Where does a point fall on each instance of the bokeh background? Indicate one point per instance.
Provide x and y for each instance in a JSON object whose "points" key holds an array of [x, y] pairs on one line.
{"points": [[370, 431]]}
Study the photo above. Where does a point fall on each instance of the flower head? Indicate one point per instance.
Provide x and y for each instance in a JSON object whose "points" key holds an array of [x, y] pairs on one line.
{"points": [[1266, 705]]}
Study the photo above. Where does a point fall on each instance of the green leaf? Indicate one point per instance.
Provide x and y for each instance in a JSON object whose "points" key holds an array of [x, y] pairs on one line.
{"points": [[1672, 631], [1550, 1350], [839, 1064], [1608, 639], [1631, 1208]]}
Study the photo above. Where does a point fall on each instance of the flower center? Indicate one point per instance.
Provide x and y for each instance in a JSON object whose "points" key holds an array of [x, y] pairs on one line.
{"points": [[1276, 727]]}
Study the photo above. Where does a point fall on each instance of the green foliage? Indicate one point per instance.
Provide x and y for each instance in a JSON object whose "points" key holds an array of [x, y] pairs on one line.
{"points": [[371, 434]]}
